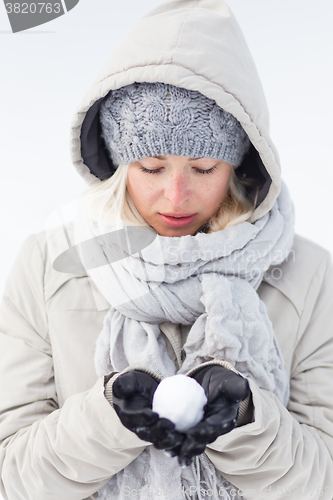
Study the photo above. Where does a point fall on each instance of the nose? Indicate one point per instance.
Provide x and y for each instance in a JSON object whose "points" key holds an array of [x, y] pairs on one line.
{"points": [[177, 189]]}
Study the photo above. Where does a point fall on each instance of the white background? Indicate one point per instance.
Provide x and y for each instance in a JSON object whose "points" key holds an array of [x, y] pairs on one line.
{"points": [[45, 72]]}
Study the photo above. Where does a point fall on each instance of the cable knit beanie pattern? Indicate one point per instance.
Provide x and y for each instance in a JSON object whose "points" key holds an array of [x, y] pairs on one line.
{"points": [[155, 119]]}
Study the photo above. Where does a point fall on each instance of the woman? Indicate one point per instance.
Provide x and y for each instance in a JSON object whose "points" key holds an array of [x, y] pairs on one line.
{"points": [[190, 266]]}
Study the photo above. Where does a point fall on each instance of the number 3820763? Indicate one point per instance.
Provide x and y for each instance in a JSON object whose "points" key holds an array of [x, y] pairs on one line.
{"points": [[33, 8]]}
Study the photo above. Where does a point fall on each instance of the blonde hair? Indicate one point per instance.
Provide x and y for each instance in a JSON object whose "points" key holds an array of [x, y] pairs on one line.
{"points": [[110, 201], [235, 208]]}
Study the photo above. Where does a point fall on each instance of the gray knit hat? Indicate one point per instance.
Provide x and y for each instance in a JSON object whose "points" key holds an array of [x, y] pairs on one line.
{"points": [[155, 119]]}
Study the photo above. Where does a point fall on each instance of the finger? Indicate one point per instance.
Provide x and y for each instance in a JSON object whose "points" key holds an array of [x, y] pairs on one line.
{"points": [[208, 430], [125, 386], [171, 440], [199, 432], [221, 411], [206, 433], [226, 427], [137, 419], [189, 449], [146, 417], [164, 425], [174, 451], [160, 426], [222, 418], [157, 431], [217, 426], [145, 433], [165, 436], [236, 388], [185, 462]]}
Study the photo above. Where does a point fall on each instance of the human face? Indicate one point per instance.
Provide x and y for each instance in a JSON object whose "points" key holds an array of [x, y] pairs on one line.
{"points": [[176, 195]]}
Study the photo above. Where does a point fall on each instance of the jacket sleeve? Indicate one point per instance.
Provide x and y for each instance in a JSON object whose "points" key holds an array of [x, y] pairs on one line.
{"points": [[47, 452], [287, 452]]}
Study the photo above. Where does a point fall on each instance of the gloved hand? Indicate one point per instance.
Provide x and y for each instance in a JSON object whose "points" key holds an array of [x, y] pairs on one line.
{"points": [[225, 390], [132, 394]]}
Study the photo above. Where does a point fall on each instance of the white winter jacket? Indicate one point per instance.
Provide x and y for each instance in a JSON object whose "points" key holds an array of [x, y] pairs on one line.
{"points": [[60, 438]]}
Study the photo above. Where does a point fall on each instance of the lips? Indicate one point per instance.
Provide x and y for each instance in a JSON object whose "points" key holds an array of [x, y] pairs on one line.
{"points": [[177, 220], [178, 214]]}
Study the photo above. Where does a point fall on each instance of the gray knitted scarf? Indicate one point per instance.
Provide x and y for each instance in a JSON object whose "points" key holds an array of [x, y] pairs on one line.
{"points": [[208, 281]]}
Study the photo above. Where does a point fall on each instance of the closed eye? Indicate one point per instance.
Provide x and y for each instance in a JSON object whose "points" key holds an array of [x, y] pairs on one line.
{"points": [[157, 170], [148, 171], [209, 171]]}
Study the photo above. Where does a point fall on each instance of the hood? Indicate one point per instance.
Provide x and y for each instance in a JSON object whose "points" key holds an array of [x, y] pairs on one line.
{"points": [[197, 45]]}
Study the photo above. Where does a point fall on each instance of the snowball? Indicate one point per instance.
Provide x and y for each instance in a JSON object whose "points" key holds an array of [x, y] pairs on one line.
{"points": [[180, 399]]}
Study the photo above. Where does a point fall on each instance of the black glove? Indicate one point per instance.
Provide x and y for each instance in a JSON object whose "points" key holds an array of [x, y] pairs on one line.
{"points": [[132, 395], [224, 390]]}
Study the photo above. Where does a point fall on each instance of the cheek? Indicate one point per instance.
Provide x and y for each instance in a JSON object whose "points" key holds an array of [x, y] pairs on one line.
{"points": [[216, 192], [141, 189]]}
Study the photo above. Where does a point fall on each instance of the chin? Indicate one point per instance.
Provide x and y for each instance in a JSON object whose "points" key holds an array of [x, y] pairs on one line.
{"points": [[172, 233]]}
